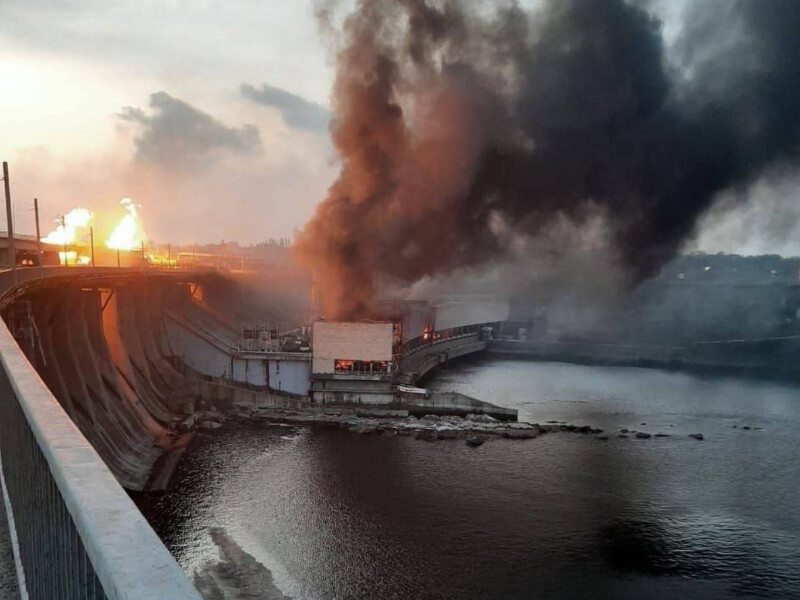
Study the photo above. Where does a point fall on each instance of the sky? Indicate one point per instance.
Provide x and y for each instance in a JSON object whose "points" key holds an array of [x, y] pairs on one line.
{"points": [[213, 117]]}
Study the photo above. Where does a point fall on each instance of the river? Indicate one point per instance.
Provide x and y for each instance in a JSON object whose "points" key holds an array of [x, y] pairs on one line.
{"points": [[334, 514]]}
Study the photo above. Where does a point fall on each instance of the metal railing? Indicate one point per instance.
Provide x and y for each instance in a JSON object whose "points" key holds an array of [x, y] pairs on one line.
{"points": [[435, 337], [80, 535]]}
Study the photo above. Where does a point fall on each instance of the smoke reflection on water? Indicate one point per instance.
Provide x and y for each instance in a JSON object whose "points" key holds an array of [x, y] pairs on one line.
{"points": [[334, 514]]}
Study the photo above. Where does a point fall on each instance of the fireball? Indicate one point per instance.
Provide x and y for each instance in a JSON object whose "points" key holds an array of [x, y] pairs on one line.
{"points": [[66, 231], [127, 235]]}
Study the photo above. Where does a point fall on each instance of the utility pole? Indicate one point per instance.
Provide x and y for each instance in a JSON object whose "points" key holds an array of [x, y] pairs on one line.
{"points": [[143, 261], [38, 238], [12, 254], [91, 242], [118, 258], [64, 233]]}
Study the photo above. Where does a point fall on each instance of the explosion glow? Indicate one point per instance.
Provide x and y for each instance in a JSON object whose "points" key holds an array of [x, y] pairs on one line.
{"points": [[127, 235], [65, 233]]}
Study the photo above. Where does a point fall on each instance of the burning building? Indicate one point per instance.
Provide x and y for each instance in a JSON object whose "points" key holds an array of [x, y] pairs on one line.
{"points": [[360, 362], [353, 362]]}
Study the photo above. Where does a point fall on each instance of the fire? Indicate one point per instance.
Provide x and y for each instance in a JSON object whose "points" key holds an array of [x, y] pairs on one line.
{"points": [[73, 231], [66, 232], [72, 258], [127, 235]]}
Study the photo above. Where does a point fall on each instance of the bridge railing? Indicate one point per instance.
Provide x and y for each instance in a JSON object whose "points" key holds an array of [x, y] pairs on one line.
{"points": [[80, 535]]}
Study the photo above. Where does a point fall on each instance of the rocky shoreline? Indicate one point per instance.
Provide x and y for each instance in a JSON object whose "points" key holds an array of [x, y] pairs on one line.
{"points": [[474, 429]]}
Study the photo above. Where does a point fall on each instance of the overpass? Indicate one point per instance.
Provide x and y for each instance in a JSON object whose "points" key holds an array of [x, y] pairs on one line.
{"points": [[75, 532]]}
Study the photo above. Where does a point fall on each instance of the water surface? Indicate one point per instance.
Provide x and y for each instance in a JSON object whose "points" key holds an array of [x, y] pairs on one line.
{"points": [[339, 515]]}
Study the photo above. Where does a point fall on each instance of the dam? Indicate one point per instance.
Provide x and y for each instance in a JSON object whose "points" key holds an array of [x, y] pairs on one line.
{"points": [[119, 363], [109, 374]]}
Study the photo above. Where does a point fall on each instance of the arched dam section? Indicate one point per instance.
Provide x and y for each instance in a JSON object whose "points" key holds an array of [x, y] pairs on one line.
{"points": [[98, 339], [73, 530]]}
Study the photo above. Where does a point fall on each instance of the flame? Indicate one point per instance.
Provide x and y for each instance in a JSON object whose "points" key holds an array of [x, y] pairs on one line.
{"points": [[127, 235], [66, 232], [71, 257]]}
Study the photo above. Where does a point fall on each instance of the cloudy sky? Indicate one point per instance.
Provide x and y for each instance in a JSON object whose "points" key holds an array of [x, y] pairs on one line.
{"points": [[213, 116]]}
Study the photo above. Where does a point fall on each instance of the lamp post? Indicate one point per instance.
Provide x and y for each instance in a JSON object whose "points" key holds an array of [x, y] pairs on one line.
{"points": [[38, 238], [12, 255], [91, 242], [64, 233]]}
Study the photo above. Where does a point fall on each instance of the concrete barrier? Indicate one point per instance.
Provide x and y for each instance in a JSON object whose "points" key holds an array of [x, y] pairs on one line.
{"points": [[454, 403], [424, 359], [80, 535], [228, 396]]}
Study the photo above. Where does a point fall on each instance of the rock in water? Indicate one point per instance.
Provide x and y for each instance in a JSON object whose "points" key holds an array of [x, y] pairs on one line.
{"points": [[447, 433], [696, 436], [429, 435], [480, 418], [643, 436], [475, 441], [518, 434]]}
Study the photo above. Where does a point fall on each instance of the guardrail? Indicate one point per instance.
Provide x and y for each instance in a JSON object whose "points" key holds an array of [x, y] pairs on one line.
{"points": [[423, 359], [80, 535]]}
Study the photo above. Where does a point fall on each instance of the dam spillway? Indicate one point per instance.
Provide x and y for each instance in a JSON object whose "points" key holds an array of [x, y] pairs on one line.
{"points": [[99, 342]]}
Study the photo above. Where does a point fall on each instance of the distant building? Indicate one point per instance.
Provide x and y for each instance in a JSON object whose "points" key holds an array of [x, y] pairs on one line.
{"points": [[26, 251]]}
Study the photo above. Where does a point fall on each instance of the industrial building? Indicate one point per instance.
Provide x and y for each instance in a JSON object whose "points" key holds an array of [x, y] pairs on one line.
{"points": [[361, 362], [352, 362]]}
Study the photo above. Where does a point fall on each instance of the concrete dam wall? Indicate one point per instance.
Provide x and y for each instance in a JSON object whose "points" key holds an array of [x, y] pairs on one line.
{"points": [[100, 345]]}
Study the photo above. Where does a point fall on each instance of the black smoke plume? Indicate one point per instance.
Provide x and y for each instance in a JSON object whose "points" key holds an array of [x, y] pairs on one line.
{"points": [[463, 125]]}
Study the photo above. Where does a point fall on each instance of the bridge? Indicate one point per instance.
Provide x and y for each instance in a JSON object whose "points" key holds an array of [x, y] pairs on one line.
{"points": [[73, 530], [419, 358]]}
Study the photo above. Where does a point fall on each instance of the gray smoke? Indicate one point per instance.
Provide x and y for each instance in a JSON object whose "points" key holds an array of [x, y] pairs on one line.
{"points": [[463, 125]]}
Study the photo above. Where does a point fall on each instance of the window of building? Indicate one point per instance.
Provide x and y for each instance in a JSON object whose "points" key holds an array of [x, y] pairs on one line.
{"points": [[361, 367]]}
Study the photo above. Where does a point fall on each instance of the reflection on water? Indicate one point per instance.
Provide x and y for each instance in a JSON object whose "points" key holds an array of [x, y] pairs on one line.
{"points": [[338, 515]]}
